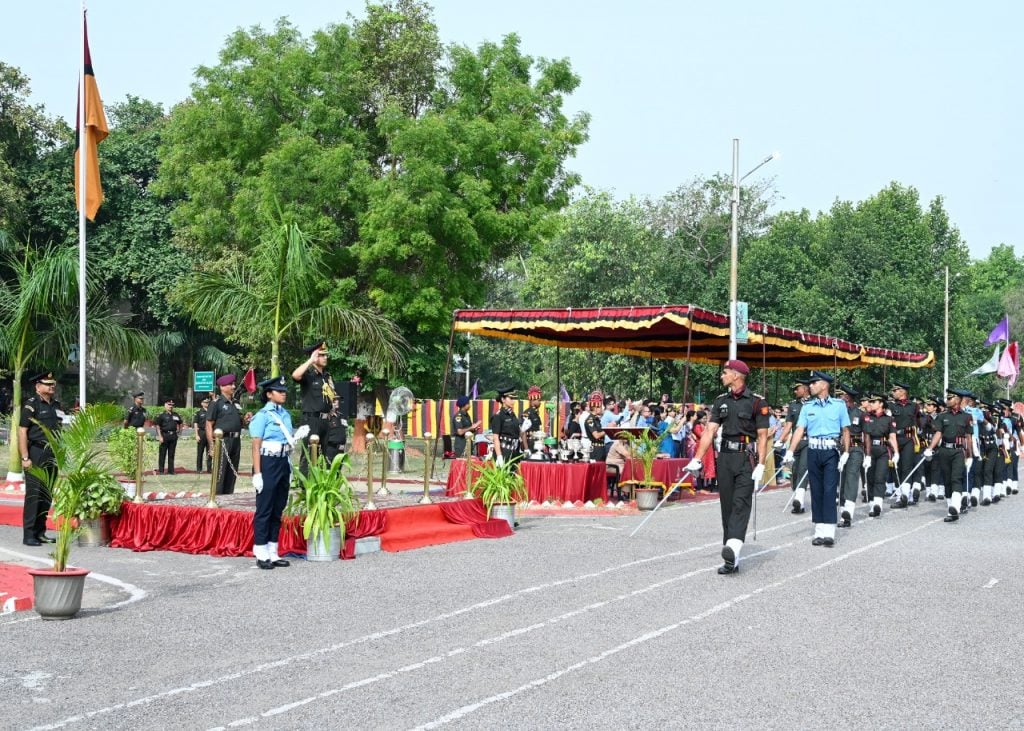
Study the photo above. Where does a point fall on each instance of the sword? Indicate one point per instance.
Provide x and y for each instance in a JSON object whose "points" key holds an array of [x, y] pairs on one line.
{"points": [[668, 494], [899, 488]]}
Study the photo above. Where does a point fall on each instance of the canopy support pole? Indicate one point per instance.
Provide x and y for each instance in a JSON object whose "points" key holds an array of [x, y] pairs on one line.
{"points": [[444, 384], [558, 392], [686, 376], [650, 376], [764, 366]]}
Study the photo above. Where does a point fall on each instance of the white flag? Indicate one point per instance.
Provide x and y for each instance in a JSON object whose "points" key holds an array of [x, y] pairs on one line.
{"points": [[990, 366]]}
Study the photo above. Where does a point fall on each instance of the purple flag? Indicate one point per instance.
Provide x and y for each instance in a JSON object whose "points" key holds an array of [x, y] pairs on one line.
{"points": [[1000, 332], [475, 384], [564, 395]]}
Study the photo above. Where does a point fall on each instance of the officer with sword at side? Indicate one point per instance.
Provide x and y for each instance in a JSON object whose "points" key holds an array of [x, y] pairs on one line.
{"points": [[852, 475], [801, 395], [742, 416], [825, 421]]}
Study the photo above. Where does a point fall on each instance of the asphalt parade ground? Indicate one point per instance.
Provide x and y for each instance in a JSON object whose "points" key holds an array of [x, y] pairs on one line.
{"points": [[908, 622]]}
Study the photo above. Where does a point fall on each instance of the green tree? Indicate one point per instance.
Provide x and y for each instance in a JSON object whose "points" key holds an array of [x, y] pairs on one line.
{"points": [[418, 167], [39, 316], [280, 293]]}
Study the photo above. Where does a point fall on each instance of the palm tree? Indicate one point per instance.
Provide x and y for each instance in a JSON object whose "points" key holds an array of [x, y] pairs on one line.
{"points": [[182, 349], [284, 290], [39, 318]]}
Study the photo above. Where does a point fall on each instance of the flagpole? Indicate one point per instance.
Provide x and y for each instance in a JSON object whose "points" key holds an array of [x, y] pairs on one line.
{"points": [[83, 166], [945, 349], [1007, 345]]}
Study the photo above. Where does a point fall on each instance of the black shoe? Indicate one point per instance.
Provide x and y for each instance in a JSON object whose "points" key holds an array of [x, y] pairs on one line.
{"points": [[818, 541], [901, 503], [45, 538], [798, 508], [996, 498], [845, 523], [729, 556], [727, 569], [931, 498], [828, 542], [986, 502], [282, 562], [951, 519], [863, 496], [974, 501], [32, 542], [916, 495], [268, 564], [876, 511]]}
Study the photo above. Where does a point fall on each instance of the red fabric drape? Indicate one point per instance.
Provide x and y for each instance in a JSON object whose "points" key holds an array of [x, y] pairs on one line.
{"points": [[558, 480], [665, 471], [471, 512]]}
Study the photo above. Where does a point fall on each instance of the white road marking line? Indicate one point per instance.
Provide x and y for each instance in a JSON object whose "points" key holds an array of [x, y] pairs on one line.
{"points": [[283, 662], [991, 583], [654, 634], [512, 633]]}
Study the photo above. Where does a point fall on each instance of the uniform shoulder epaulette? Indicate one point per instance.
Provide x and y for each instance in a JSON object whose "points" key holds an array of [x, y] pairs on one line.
{"points": [[722, 395], [28, 405]]}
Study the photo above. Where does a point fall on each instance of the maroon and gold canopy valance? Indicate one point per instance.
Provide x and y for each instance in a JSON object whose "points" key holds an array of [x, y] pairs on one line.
{"points": [[680, 332]]}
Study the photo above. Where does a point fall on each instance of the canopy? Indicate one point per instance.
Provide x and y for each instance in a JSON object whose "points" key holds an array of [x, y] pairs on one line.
{"points": [[680, 332]]}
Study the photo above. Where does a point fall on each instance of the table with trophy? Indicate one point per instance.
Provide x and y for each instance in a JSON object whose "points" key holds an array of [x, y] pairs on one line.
{"points": [[552, 470]]}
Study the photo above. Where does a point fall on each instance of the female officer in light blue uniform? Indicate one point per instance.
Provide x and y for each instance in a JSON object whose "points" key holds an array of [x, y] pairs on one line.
{"points": [[272, 439]]}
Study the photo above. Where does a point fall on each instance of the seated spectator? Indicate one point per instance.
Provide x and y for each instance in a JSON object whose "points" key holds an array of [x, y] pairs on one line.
{"points": [[615, 460]]}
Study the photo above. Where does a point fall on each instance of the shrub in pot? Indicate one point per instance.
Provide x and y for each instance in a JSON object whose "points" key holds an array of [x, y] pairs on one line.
{"points": [[121, 449], [324, 501], [643, 447], [82, 483], [499, 485]]}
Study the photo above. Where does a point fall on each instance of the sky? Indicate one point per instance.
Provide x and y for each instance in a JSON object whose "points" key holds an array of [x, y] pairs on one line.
{"points": [[853, 95]]}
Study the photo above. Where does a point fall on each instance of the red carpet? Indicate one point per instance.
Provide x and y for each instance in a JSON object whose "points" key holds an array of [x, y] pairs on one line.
{"points": [[16, 589]]}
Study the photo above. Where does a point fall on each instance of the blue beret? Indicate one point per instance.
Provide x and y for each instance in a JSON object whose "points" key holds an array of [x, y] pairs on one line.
{"points": [[461, 401]]}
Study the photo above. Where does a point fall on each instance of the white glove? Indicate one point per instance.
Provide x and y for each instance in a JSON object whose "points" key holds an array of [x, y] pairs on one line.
{"points": [[867, 462], [928, 453], [842, 460], [779, 444], [344, 423], [300, 433], [895, 459], [257, 482], [500, 461], [789, 457], [526, 426], [757, 474], [694, 466], [968, 463]]}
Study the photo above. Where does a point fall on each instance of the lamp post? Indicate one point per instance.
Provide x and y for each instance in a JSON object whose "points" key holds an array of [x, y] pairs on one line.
{"points": [[734, 237]]}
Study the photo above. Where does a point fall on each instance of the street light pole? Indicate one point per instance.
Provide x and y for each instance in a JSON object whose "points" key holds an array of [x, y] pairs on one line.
{"points": [[734, 236]]}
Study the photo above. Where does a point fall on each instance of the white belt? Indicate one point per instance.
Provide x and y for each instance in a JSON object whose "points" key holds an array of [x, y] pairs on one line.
{"points": [[275, 449], [822, 442]]}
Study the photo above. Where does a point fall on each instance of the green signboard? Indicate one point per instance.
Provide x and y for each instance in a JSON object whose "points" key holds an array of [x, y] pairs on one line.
{"points": [[202, 381]]}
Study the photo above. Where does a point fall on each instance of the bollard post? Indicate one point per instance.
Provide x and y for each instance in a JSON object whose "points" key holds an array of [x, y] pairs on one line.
{"points": [[427, 455], [469, 468], [140, 447], [368, 505], [314, 449], [383, 491], [218, 435]]}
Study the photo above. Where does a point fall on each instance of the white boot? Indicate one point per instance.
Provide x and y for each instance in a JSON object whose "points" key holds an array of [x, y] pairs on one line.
{"points": [[954, 505], [261, 552], [986, 495], [731, 553], [847, 515], [876, 507], [890, 487], [798, 499], [975, 497], [915, 493], [828, 532], [1013, 486], [278, 561]]}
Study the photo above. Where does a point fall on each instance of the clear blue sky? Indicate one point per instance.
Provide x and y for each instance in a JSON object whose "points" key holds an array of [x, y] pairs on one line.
{"points": [[853, 94]]}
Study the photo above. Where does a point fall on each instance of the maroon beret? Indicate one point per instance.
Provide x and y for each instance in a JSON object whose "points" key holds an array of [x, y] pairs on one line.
{"points": [[737, 365]]}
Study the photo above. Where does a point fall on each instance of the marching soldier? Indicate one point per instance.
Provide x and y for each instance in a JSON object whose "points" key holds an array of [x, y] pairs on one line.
{"points": [[968, 405], [337, 432], [592, 428], [990, 442], [742, 416], [202, 445], [506, 434], [904, 415], [1013, 426], [167, 424], [826, 422], [225, 414], [136, 415], [40, 410], [801, 395], [879, 442], [926, 428], [532, 414], [851, 478], [463, 427], [952, 439]]}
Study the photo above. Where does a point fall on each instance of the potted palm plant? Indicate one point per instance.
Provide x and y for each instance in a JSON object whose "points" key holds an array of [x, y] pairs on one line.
{"points": [[81, 480], [499, 487], [324, 500], [643, 447]]}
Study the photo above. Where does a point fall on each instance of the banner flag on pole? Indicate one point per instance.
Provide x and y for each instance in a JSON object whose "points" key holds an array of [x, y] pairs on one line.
{"points": [[1009, 364], [563, 394], [1000, 332], [990, 366], [96, 131], [474, 392], [250, 381]]}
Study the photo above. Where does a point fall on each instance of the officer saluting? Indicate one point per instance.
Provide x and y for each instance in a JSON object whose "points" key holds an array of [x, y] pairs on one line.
{"points": [[316, 388], [38, 411], [952, 439], [742, 416], [225, 414], [136, 415], [505, 428], [826, 422]]}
